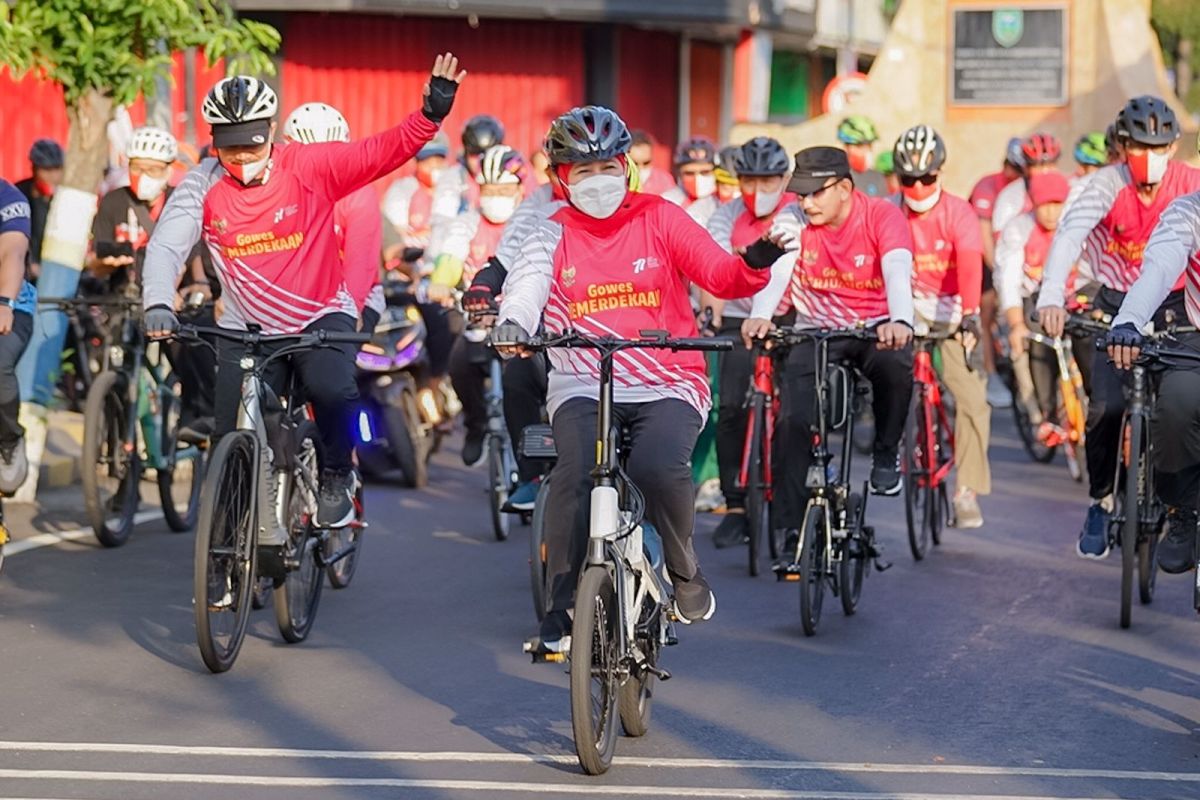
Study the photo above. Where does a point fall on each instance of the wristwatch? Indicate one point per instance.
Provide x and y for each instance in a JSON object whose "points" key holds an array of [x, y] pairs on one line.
{"points": [[7, 301]]}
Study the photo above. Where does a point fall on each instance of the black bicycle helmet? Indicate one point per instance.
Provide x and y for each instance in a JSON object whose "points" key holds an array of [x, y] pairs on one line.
{"points": [[762, 156], [696, 151], [1148, 120], [919, 151], [46, 154], [480, 133], [588, 133]]}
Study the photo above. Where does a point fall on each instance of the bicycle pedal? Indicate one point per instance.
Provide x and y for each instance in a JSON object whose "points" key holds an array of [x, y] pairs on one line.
{"points": [[541, 655], [657, 672], [787, 571]]}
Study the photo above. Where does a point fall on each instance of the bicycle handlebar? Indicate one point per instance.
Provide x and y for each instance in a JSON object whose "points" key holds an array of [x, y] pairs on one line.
{"points": [[651, 340], [315, 338], [796, 335]]}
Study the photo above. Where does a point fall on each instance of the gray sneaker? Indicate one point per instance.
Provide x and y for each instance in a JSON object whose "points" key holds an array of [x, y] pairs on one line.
{"points": [[14, 466], [694, 600]]}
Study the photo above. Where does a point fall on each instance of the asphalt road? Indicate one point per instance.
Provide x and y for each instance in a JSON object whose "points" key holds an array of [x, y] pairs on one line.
{"points": [[995, 668]]}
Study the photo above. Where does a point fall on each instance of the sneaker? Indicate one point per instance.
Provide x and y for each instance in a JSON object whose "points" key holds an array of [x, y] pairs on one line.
{"points": [[14, 466], [694, 600], [524, 497], [472, 452], [195, 432], [998, 395], [554, 636], [966, 509], [1177, 550], [885, 473], [732, 530], [1093, 539], [708, 496], [335, 504]]}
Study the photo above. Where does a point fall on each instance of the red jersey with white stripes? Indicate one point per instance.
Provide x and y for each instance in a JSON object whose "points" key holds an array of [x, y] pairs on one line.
{"points": [[618, 277], [359, 228], [274, 242], [947, 260], [838, 279]]}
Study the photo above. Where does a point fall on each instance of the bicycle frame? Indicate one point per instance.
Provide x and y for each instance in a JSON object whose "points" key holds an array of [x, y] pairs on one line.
{"points": [[763, 384], [925, 379], [1070, 384]]}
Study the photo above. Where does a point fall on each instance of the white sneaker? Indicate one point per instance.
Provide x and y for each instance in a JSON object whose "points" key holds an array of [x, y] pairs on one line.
{"points": [[14, 467], [708, 496], [966, 510]]}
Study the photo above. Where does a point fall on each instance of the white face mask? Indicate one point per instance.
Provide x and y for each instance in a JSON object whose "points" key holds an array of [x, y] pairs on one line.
{"points": [[148, 189], [1156, 166], [497, 209], [765, 202], [599, 196], [247, 173], [921, 206], [706, 186]]}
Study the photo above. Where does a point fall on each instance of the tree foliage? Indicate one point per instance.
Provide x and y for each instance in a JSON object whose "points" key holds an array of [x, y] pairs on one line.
{"points": [[119, 47], [1177, 21]]}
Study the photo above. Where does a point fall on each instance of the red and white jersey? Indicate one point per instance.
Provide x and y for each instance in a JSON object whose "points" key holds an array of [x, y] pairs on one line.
{"points": [[947, 261], [838, 277], [360, 241], [983, 196], [658, 181], [1020, 260], [408, 206], [274, 243], [617, 277], [1109, 210], [470, 240], [733, 225], [1012, 201], [1172, 256], [700, 209]]}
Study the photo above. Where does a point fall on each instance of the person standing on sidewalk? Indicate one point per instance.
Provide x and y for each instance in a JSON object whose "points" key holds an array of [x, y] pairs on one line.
{"points": [[17, 301]]}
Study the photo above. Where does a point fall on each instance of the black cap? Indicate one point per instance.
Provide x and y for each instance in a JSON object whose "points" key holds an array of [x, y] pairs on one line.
{"points": [[242, 134], [815, 166]]}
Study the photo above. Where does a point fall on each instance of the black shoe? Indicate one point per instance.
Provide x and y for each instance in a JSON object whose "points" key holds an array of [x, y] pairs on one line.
{"points": [[195, 432], [732, 530], [1177, 550], [694, 600], [555, 634], [335, 504], [885, 473], [472, 452]]}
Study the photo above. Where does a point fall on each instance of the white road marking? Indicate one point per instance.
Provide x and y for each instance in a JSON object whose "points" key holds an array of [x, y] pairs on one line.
{"points": [[58, 537], [624, 761], [558, 789]]}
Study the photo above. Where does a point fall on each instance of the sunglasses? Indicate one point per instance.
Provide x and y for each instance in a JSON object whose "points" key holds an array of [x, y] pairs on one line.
{"points": [[926, 180]]}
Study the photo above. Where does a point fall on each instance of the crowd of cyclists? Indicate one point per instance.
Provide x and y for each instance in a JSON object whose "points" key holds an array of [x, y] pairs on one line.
{"points": [[279, 228]]}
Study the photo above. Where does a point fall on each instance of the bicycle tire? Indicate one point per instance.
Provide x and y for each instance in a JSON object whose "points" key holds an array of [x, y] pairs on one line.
{"points": [[108, 449], [539, 573], [227, 525], [812, 568], [1129, 530], [411, 448], [261, 593], [940, 498], [594, 661], [299, 595], [341, 572], [498, 487], [756, 501], [916, 498], [635, 696], [1036, 450], [1147, 568], [852, 570], [185, 520]]}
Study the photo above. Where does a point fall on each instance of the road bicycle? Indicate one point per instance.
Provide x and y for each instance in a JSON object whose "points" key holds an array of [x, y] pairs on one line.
{"points": [[756, 474], [622, 617], [262, 481], [834, 544], [928, 451], [131, 422]]}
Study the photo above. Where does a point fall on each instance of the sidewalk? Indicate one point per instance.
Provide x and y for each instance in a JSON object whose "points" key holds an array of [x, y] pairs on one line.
{"points": [[61, 459]]}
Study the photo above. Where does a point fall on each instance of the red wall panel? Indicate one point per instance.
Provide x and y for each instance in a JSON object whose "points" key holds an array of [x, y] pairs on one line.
{"points": [[372, 69], [706, 87], [648, 86], [30, 109]]}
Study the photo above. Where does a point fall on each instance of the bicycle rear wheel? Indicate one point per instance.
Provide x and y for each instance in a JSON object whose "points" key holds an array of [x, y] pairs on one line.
{"points": [[296, 599], [539, 574], [346, 541], [112, 467], [852, 569], [181, 472], [812, 568], [594, 670], [635, 698], [223, 572], [757, 510], [1129, 530], [1147, 568], [499, 485], [1036, 450], [411, 446], [918, 496]]}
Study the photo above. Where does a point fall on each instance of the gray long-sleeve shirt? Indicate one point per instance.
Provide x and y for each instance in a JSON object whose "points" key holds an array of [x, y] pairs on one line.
{"points": [[176, 234]]}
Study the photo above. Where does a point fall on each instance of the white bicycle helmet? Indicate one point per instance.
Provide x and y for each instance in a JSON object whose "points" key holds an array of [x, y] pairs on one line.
{"points": [[152, 143], [239, 99], [501, 164], [316, 122]]}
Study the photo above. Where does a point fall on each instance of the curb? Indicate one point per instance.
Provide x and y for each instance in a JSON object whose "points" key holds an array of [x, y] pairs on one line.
{"points": [[60, 465]]}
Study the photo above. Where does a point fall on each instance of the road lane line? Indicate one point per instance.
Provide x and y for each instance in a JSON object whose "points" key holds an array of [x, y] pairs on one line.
{"points": [[462, 757], [296, 782], [58, 537]]}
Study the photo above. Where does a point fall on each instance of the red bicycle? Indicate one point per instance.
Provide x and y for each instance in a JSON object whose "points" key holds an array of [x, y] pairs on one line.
{"points": [[762, 403], [928, 451]]}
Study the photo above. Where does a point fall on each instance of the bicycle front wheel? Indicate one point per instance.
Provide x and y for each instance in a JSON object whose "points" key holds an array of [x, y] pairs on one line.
{"points": [[1147, 568], [499, 485], [296, 599], [812, 568], [594, 650], [918, 495], [853, 567], [1129, 530], [757, 509], [112, 467], [223, 572]]}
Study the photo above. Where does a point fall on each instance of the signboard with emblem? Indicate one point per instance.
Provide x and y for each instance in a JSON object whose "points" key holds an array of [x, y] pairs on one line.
{"points": [[1009, 56]]}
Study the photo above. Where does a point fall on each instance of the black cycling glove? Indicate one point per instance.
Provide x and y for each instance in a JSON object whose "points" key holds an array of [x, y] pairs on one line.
{"points": [[370, 318], [440, 99], [762, 254], [508, 334], [1125, 335]]}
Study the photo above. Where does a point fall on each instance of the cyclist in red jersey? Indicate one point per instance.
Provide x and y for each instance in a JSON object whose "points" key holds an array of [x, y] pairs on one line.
{"points": [[947, 269], [641, 152], [614, 262], [854, 266], [269, 224], [1121, 204], [696, 165]]}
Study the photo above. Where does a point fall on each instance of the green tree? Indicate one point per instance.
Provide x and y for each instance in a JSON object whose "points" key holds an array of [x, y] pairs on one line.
{"points": [[107, 52], [1177, 23]]}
